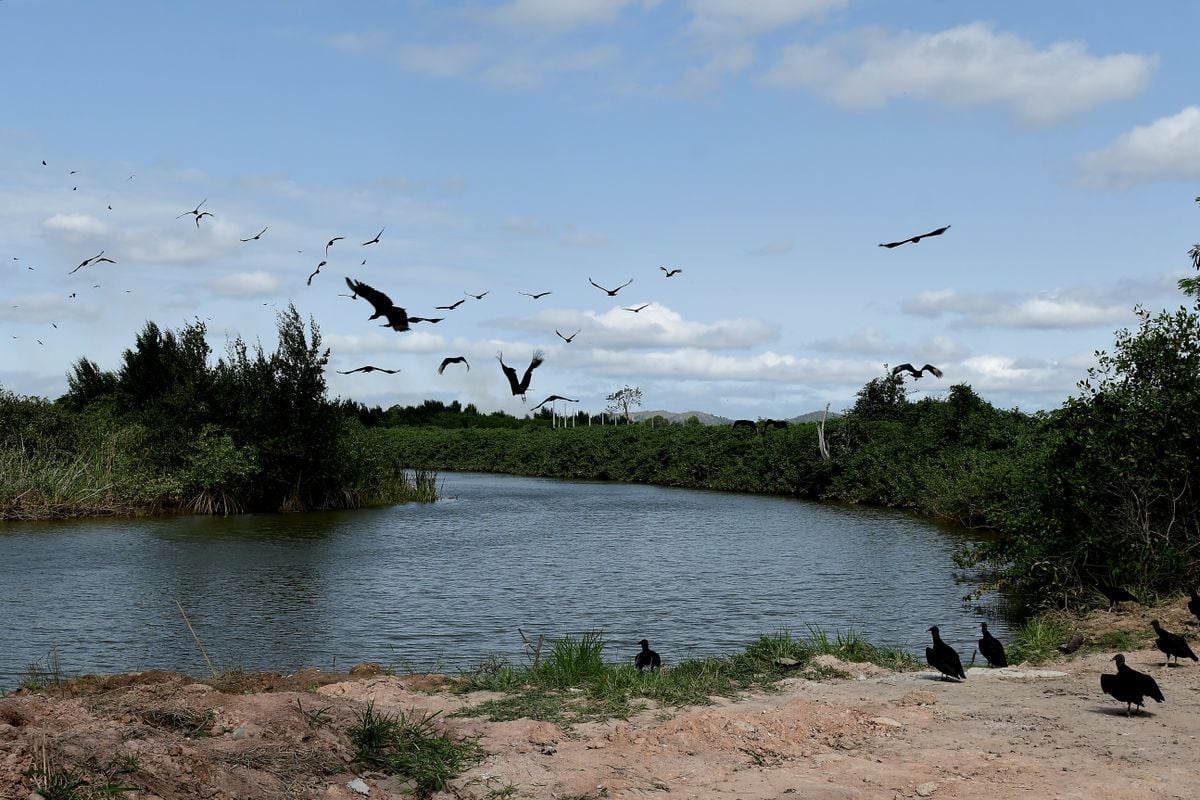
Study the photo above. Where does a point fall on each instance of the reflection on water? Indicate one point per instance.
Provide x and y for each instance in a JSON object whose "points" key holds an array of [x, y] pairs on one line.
{"points": [[447, 584]]}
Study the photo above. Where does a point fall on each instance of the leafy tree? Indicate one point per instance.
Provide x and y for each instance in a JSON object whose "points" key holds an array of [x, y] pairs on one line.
{"points": [[622, 400]]}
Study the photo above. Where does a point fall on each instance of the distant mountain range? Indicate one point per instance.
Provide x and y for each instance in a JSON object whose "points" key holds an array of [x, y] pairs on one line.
{"points": [[712, 419]]}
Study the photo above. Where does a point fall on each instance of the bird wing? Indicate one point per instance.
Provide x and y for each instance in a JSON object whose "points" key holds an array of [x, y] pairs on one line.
{"points": [[902, 367], [890, 245], [534, 363], [549, 399], [378, 299], [937, 232], [598, 286], [1148, 686], [397, 318], [932, 369], [1110, 685], [623, 285], [509, 373], [445, 361]]}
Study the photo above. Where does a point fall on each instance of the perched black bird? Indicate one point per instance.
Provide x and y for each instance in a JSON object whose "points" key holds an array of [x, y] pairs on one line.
{"points": [[477, 296], [671, 272], [450, 307], [255, 236], [1194, 603], [916, 239], [610, 292], [992, 649], [534, 296], [397, 318], [647, 658], [369, 368], [639, 308], [917, 373], [1130, 686], [376, 239], [519, 388], [1172, 644], [551, 399], [944, 658], [1115, 594], [568, 339], [453, 360]]}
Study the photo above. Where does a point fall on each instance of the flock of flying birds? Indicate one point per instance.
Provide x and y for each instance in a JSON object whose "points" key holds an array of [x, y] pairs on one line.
{"points": [[399, 320]]}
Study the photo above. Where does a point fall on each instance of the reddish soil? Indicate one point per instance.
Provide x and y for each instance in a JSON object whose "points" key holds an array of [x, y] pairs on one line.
{"points": [[1013, 733]]}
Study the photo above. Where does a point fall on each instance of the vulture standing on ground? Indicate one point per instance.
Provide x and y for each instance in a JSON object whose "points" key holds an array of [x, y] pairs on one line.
{"points": [[1130, 686], [944, 658]]}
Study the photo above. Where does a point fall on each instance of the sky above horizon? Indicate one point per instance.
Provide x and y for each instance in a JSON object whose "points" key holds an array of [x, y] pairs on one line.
{"points": [[763, 147]]}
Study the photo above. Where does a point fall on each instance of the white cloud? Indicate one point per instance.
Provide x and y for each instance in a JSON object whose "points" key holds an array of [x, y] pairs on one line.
{"points": [[698, 364], [726, 18], [74, 227], [776, 248], [1053, 310], [557, 16], [574, 238], [525, 70], [413, 341], [872, 341], [356, 42], [1169, 147], [967, 65], [656, 326], [246, 284], [44, 308], [440, 60]]}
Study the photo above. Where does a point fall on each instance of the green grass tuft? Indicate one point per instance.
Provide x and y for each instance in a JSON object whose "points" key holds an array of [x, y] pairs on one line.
{"points": [[411, 748], [1037, 641]]}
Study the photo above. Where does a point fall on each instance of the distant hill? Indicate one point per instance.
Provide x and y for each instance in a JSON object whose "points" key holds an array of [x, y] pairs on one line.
{"points": [[713, 419]]}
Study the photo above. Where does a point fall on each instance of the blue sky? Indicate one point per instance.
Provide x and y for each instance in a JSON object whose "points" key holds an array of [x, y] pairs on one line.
{"points": [[765, 147]]}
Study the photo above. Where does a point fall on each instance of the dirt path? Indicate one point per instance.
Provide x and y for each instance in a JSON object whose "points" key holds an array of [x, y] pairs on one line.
{"points": [[1019, 732]]}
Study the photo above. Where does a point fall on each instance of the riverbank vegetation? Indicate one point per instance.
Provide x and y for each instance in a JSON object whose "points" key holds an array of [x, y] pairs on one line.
{"points": [[171, 431]]}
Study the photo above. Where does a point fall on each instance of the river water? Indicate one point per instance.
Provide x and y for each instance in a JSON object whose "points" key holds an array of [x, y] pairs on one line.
{"points": [[444, 585]]}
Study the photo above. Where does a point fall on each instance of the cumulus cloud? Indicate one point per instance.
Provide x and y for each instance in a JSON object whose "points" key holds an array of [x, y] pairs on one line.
{"points": [[74, 227], [656, 326], [440, 60], [969, 64], [1169, 147], [380, 343], [690, 363], [724, 18], [45, 307], [872, 341], [246, 284], [1052, 310], [556, 16]]}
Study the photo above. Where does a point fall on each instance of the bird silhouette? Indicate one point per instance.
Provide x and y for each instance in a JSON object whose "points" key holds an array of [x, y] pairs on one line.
{"points": [[647, 658], [1194, 603], [519, 388], [1115, 594], [943, 657], [329, 244], [567, 339], [368, 368], [916, 239], [450, 307], [992, 648], [430, 320], [917, 373], [196, 212], [397, 318], [316, 272], [1171, 644], [86, 262], [610, 292], [453, 360], [671, 272], [639, 308], [477, 296], [255, 237], [534, 296], [376, 239], [1130, 686], [551, 399]]}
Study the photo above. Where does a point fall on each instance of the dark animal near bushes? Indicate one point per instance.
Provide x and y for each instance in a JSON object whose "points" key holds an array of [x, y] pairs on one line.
{"points": [[944, 658], [1130, 686], [647, 658], [1115, 594], [1171, 644], [992, 648], [744, 423]]}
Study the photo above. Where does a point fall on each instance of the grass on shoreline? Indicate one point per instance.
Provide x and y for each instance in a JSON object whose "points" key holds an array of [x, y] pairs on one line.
{"points": [[574, 684]]}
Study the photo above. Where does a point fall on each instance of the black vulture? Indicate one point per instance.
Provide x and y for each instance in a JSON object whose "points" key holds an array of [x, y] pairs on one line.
{"points": [[519, 388], [397, 319], [671, 272], [450, 307], [196, 212], [477, 296], [1071, 646], [329, 244], [1172, 644], [369, 368], [647, 658], [610, 292], [453, 360], [992, 649], [256, 236], [316, 272], [85, 262], [566, 339], [916, 239], [943, 657], [384, 307], [1194, 603], [639, 308], [1115, 594], [430, 320], [1130, 686], [917, 373], [376, 239], [534, 296], [551, 399]]}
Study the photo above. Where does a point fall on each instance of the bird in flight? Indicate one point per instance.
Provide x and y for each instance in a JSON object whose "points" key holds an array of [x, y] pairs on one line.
{"points": [[917, 373], [566, 339], [450, 307], [477, 296], [376, 239], [254, 238], [397, 318], [520, 387], [916, 239], [329, 244], [87, 261], [551, 399], [671, 272], [610, 292], [316, 272], [534, 296], [368, 368], [196, 213], [430, 320], [639, 308], [453, 360]]}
